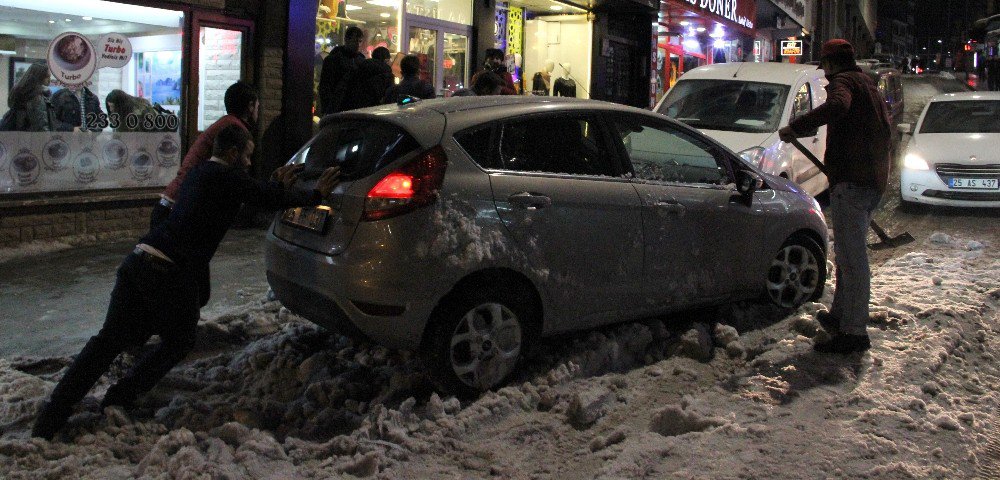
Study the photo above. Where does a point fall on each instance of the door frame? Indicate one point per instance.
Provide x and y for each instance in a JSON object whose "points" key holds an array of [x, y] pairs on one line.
{"points": [[441, 27], [201, 19]]}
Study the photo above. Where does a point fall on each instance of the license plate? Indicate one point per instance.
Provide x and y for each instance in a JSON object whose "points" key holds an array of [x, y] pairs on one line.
{"points": [[309, 218], [977, 183]]}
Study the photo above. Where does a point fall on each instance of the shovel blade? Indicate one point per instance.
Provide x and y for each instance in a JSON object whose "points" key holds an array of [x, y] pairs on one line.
{"points": [[895, 242]]}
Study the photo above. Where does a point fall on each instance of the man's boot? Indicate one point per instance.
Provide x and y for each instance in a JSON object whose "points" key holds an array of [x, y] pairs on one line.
{"points": [[829, 323], [50, 420], [844, 344]]}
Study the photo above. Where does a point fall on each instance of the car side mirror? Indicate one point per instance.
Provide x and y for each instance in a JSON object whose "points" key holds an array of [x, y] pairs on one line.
{"points": [[748, 182], [905, 128]]}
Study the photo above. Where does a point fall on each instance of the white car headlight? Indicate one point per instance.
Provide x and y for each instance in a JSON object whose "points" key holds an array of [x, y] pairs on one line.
{"points": [[915, 162], [753, 155]]}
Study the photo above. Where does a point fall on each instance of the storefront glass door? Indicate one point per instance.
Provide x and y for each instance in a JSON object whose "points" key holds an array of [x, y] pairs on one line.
{"points": [[219, 60], [443, 49]]}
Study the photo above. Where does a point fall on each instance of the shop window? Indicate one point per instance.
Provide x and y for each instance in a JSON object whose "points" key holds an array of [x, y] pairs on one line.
{"points": [[663, 154], [553, 144], [379, 19], [220, 65], [456, 11], [91, 93]]}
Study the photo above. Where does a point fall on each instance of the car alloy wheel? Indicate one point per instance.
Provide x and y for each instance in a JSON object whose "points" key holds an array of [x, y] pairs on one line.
{"points": [[795, 276], [485, 345]]}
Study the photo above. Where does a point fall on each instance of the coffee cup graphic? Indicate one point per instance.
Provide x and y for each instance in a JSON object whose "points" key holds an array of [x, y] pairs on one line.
{"points": [[115, 154], [55, 153], [168, 151], [72, 59], [142, 165], [25, 168], [86, 167]]}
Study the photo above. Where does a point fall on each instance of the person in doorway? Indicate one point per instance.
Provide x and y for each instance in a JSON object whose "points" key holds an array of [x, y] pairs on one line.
{"points": [[336, 67], [153, 293], [70, 109], [30, 109], [858, 143], [485, 85], [411, 85], [495, 64], [365, 85]]}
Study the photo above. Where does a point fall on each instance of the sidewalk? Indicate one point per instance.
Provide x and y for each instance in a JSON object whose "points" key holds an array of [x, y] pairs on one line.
{"points": [[53, 302]]}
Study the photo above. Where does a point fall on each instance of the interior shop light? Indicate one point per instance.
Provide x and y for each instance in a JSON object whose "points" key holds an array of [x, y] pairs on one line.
{"points": [[685, 23], [385, 3], [101, 9], [701, 29], [719, 43], [351, 8], [692, 44]]}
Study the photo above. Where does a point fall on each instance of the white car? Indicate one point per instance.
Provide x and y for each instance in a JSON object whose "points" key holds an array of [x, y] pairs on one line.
{"points": [[742, 106], [954, 155]]}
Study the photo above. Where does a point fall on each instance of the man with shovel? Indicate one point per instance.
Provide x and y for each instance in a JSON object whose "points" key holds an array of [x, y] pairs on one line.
{"points": [[857, 164]]}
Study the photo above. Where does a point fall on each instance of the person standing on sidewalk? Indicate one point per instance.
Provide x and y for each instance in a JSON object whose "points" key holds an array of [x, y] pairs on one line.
{"points": [[336, 72], [154, 294], [858, 142]]}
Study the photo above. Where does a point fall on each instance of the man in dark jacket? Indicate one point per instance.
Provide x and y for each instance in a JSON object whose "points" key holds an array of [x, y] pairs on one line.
{"points": [[70, 109], [365, 86], [858, 143], [411, 85], [154, 294], [495, 64], [336, 66]]}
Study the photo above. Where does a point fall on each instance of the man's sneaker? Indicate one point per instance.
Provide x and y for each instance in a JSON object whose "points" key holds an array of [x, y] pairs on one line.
{"points": [[50, 420], [844, 344], [830, 323], [115, 399]]}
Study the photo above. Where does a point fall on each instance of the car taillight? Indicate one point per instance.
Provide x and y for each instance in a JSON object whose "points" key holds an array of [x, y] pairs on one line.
{"points": [[409, 187]]}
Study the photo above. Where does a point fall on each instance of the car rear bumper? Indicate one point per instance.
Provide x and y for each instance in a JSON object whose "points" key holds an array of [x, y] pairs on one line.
{"points": [[926, 187], [325, 291]]}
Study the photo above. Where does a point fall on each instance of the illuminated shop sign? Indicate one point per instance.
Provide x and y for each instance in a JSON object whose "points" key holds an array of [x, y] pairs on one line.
{"points": [[791, 48], [738, 12]]}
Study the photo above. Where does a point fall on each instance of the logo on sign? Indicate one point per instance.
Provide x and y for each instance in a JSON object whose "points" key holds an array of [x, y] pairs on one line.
{"points": [[791, 48]]}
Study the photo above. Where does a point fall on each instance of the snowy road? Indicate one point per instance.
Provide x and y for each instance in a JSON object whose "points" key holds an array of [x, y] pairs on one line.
{"points": [[268, 395]]}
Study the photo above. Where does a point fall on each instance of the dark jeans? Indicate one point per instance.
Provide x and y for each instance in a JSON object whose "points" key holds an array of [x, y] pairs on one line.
{"points": [[159, 215], [150, 297]]}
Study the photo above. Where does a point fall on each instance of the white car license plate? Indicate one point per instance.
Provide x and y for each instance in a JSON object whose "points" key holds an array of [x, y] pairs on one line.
{"points": [[308, 218], [977, 183]]}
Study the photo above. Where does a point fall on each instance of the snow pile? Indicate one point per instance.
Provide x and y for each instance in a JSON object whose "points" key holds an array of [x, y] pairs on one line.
{"points": [[269, 395]]}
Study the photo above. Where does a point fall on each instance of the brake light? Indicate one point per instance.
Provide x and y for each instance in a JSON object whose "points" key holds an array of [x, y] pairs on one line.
{"points": [[411, 186]]}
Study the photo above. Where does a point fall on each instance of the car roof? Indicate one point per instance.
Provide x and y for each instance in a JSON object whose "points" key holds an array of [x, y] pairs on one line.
{"points": [[965, 96], [768, 72]]}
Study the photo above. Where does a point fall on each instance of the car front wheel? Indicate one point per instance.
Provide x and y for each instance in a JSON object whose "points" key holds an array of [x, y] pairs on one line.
{"points": [[797, 273]]}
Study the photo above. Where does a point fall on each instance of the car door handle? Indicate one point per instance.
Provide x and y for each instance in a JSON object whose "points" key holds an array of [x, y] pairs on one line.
{"points": [[670, 206], [530, 201]]}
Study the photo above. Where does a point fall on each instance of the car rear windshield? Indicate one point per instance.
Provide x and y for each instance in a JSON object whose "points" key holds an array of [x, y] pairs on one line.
{"points": [[968, 116], [732, 105], [358, 148]]}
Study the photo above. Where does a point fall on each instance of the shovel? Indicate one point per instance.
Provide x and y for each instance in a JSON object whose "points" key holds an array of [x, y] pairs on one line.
{"points": [[885, 241]]}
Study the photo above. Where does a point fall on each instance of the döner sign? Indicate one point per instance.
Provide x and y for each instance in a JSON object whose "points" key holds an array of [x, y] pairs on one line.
{"points": [[728, 9]]}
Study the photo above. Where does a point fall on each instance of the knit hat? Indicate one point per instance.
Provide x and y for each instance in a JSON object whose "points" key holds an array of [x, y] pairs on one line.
{"points": [[836, 46]]}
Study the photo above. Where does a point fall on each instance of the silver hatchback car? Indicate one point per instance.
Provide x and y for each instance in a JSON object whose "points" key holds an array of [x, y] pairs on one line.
{"points": [[469, 228]]}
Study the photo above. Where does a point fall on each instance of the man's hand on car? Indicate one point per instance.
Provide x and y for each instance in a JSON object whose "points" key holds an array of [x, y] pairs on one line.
{"points": [[786, 134], [328, 181], [288, 174]]}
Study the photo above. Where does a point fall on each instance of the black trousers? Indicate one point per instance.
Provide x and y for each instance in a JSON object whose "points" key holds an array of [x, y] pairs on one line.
{"points": [[151, 296], [158, 216]]}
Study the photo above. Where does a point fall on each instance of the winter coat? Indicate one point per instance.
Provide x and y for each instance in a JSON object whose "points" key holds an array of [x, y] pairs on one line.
{"points": [[412, 86], [336, 66], [200, 152], [34, 115], [66, 105], [859, 134], [508, 81], [365, 86]]}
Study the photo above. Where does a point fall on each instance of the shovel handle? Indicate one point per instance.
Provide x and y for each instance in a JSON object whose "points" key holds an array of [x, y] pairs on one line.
{"points": [[809, 154]]}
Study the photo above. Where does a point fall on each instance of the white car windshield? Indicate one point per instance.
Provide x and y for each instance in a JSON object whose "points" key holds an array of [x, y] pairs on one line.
{"points": [[732, 105], [969, 116]]}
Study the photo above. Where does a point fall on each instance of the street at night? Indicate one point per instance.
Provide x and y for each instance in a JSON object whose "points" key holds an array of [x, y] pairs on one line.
{"points": [[242, 257]]}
